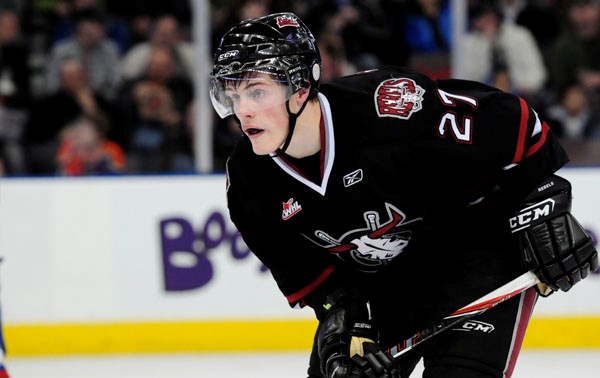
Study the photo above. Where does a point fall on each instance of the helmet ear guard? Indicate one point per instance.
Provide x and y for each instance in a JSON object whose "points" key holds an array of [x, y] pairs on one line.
{"points": [[300, 77], [316, 72]]}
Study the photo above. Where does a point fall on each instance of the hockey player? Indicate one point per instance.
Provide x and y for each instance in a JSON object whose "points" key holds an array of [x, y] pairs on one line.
{"points": [[385, 200]]}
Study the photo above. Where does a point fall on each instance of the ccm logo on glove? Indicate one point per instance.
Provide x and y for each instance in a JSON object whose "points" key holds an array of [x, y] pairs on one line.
{"points": [[530, 214]]}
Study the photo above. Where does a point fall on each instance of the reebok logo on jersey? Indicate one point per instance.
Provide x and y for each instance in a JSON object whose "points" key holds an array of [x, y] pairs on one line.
{"points": [[290, 208], [353, 178], [398, 98]]}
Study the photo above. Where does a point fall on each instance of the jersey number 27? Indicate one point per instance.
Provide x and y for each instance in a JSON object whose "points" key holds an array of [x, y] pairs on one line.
{"points": [[461, 130]]}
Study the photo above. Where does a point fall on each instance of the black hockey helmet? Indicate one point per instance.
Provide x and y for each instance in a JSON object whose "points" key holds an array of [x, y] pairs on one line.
{"points": [[279, 44]]}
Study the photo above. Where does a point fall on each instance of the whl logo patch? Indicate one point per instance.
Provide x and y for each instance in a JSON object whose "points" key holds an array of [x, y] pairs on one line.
{"points": [[398, 98], [290, 208]]}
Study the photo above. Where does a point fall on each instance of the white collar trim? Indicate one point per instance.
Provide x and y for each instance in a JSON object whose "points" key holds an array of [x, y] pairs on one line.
{"points": [[329, 146]]}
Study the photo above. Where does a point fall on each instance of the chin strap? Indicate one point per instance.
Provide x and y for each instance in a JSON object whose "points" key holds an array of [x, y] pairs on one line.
{"points": [[292, 124]]}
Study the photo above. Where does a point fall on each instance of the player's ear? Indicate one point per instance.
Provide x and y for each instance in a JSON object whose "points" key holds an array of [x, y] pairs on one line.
{"points": [[302, 95], [298, 98]]}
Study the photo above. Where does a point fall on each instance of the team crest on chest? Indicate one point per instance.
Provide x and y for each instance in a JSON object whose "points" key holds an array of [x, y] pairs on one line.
{"points": [[383, 237], [398, 98], [290, 208]]}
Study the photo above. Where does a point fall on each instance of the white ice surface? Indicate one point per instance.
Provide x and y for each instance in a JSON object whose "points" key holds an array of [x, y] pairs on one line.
{"points": [[532, 364]]}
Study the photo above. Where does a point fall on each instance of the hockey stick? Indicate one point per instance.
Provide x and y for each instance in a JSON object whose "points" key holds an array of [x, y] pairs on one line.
{"points": [[501, 294]]}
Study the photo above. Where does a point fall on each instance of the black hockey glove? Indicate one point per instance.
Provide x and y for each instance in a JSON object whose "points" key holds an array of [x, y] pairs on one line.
{"points": [[346, 341], [554, 245]]}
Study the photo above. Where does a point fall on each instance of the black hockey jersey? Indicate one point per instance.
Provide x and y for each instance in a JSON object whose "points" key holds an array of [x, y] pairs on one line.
{"points": [[403, 159]]}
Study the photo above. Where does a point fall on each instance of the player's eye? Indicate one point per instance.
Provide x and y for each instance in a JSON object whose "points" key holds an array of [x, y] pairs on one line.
{"points": [[233, 98], [257, 94]]}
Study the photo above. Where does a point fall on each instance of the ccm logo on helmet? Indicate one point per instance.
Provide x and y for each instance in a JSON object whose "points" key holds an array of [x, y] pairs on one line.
{"points": [[531, 214], [227, 55], [286, 21]]}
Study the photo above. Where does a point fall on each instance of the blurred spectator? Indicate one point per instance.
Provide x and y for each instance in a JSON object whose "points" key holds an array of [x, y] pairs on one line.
{"points": [[511, 9], [14, 91], [428, 26], [333, 57], [116, 28], [571, 118], [501, 54], [247, 9], [427, 33], [98, 54], [367, 31], [576, 54], [154, 108], [38, 18], [225, 14], [140, 27], [165, 33], [84, 150], [51, 113], [540, 17], [140, 14], [14, 64]]}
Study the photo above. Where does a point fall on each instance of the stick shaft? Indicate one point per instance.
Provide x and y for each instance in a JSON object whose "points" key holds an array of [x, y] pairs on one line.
{"points": [[490, 300]]}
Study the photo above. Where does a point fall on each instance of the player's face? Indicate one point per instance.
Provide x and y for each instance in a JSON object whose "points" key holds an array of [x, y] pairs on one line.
{"points": [[259, 104]]}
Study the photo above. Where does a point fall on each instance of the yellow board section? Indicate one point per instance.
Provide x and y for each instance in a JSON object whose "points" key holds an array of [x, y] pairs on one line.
{"points": [[236, 336], [582, 332], [149, 337]]}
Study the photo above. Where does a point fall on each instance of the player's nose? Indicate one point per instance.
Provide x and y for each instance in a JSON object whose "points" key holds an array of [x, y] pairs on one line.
{"points": [[243, 108]]}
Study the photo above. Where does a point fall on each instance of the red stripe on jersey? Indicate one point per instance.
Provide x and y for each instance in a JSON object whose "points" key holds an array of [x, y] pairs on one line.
{"points": [[522, 132], [533, 149], [529, 299], [297, 296]]}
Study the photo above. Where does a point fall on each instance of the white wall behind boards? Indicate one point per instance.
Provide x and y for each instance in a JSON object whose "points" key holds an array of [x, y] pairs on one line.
{"points": [[96, 249], [162, 248]]}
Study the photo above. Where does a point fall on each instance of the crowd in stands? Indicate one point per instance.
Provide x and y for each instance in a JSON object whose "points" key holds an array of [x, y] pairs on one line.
{"points": [[106, 86]]}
